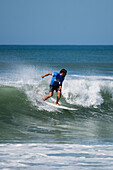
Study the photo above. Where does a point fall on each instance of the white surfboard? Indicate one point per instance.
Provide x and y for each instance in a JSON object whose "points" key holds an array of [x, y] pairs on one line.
{"points": [[61, 107]]}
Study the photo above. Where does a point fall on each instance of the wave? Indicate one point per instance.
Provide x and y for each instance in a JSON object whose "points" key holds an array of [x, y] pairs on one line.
{"points": [[93, 77], [77, 90], [25, 116]]}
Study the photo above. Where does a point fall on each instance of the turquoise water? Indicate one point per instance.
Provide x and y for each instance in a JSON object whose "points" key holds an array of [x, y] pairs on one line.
{"points": [[34, 135]]}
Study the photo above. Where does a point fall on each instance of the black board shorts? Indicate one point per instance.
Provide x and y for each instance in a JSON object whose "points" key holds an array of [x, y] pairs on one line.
{"points": [[52, 88]]}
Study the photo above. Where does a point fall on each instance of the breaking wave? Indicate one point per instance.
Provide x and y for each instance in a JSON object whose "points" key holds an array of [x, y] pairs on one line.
{"points": [[77, 90]]}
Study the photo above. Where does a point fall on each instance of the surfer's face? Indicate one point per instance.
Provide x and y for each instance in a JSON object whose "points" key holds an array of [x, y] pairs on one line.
{"points": [[63, 74]]}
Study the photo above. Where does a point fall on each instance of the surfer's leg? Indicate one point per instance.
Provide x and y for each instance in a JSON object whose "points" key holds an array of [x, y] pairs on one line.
{"points": [[58, 97], [48, 96], [50, 93]]}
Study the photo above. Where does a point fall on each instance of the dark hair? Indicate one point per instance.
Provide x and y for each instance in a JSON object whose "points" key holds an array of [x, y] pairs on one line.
{"points": [[63, 71]]}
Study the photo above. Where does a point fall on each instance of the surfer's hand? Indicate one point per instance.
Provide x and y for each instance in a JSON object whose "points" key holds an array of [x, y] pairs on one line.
{"points": [[42, 76]]}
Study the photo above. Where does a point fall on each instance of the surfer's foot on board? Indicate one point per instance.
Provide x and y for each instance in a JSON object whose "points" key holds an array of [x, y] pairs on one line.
{"points": [[44, 99], [57, 104]]}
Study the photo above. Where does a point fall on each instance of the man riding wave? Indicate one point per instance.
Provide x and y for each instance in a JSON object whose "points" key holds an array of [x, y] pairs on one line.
{"points": [[55, 84]]}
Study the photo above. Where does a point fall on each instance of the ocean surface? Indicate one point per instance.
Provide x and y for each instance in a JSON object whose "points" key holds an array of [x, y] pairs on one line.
{"points": [[35, 135]]}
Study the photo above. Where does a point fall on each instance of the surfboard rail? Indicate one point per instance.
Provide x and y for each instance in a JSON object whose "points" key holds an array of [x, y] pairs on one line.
{"points": [[60, 107]]}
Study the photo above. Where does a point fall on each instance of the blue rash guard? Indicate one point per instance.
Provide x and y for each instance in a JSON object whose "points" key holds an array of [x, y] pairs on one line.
{"points": [[57, 79]]}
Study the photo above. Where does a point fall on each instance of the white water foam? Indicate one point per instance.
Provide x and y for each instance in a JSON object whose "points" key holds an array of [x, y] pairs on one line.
{"points": [[86, 92], [55, 156]]}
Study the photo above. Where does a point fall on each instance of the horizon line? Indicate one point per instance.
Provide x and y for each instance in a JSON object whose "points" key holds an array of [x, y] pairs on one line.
{"points": [[56, 44]]}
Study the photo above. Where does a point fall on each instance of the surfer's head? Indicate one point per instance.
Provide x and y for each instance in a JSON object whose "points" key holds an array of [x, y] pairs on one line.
{"points": [[63, 72]]}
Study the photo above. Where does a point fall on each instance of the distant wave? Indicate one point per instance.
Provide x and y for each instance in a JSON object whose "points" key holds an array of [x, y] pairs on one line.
{"points": [[93, 77]]}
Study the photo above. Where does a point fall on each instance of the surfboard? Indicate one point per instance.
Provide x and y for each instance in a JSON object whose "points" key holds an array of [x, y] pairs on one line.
{"points": [[60, 107]]}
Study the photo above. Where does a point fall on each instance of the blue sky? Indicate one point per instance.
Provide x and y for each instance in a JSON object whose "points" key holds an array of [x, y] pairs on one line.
{"points": [[56, 22]]}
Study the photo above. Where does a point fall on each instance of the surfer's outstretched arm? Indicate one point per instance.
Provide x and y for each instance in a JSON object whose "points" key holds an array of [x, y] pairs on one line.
{"points": [[46, 75]]}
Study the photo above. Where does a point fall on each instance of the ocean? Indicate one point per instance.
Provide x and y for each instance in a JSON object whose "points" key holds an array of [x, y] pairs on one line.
{"points": [[35, 135]]}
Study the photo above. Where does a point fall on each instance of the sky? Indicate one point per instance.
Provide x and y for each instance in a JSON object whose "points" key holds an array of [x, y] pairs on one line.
{"points": [[56, 22]]}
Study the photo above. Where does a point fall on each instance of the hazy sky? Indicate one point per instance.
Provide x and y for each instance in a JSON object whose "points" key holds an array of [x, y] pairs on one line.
{"points": [[76, 22]]}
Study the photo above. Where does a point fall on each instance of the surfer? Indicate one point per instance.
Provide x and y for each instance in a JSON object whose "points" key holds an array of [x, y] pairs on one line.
{"points": [[55, 84]]}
